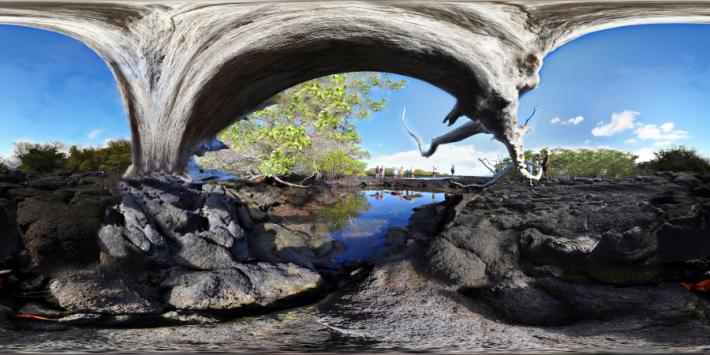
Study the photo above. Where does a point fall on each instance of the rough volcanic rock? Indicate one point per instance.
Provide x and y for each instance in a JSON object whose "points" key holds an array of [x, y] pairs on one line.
{"points": [[10, 240], [259, 284], [276, 243], [60, 220], [49, 183], [102, 291], [546, 249], [686, 238]]}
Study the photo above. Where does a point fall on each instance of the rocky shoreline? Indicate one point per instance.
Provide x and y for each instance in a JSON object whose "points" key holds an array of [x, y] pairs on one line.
{"points": [[547, 267]]}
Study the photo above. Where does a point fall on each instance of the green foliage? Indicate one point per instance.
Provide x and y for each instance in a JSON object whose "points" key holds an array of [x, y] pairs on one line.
{"points": [[4, 168], [338, 162], [115, 156], [39, 158], [347, 207], [677, 159], [309, 126], [591, 163]]}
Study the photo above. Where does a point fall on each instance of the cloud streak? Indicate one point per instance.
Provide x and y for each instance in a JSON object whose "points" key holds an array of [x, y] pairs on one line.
{"points": [[569, 122], [463, 157], [620, 121]]}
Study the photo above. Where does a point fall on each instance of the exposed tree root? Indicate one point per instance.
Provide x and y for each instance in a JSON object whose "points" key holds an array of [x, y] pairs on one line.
{"points": [[288, 183]]}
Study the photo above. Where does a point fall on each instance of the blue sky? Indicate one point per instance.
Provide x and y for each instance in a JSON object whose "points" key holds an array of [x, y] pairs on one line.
{"points": [[637, 89]]}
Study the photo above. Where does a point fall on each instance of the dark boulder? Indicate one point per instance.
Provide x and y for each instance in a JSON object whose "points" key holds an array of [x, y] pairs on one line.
{"points": [[260, 284], [49, 183], [10, 240], [102, 291], [685, 238]]}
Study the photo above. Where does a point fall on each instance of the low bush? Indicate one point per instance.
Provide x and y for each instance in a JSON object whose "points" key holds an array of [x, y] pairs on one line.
{"points": [[676, 159], [4, 168], [115, 156], [39, 158]]}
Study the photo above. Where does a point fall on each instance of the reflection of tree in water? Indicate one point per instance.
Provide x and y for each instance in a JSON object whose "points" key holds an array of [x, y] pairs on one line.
{"points": [[338, 216]]}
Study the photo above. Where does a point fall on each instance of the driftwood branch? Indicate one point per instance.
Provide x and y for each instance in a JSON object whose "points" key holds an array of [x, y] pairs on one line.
{"points": [[466, 130], [530, 117], [288, 183], [502, 173]]}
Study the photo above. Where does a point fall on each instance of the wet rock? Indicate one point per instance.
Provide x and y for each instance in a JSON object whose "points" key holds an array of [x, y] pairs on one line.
{"points": [[259, 284], [396, 237], [101, 291]]}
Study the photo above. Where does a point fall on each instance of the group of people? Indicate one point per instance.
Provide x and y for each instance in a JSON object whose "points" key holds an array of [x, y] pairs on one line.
{"points": [[534, 166], [400, 172], [434, 171]]}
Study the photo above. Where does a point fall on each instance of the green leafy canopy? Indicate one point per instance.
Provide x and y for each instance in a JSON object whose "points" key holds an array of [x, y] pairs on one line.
{"points": [[311, 128]]}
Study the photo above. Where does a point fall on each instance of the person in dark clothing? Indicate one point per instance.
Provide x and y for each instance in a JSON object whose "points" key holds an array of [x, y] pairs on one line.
{"points": [[452, 170], [545, 164]]}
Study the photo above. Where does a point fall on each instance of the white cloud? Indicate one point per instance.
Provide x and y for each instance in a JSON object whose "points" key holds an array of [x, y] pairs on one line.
{"points": [[662, 143], [572, 121], [463, 157], [667, 127], [93, 133], [620, 121], [665, 132], [575, 120], [644, 154], [631, 141], [587, 141]]}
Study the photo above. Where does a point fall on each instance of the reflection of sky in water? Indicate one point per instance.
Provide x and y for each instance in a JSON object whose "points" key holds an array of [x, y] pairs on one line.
{"points": [[374, 212]]}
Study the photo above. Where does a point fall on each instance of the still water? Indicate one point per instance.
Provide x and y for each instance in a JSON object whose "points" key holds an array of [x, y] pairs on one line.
{"points": [[360, 220]]}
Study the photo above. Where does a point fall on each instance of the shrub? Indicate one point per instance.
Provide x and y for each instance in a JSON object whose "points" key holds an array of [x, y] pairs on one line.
{"points": [[4, 168], [115, 156], [39, 158], [677, 159]]}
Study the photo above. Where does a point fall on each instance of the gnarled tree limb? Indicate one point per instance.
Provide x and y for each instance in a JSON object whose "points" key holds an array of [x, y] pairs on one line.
{"points": [[466, 130]]}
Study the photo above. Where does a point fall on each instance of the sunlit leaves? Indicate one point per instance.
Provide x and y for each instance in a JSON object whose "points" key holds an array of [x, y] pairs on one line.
{"points": [[310, 123]]}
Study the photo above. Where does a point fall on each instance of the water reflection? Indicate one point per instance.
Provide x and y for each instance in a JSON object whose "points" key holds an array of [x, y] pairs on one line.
{"points": [[360, 219]]}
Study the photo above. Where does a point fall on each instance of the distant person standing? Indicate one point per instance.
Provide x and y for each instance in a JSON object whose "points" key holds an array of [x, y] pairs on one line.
{"points": [[433, 172], [529, 166], [545, 164], [377, 172], [395, 173], [453, 170], [401, 171]]}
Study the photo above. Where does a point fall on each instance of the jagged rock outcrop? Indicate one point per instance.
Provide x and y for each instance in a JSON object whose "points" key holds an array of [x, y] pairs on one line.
{"points": [[557, 254]]}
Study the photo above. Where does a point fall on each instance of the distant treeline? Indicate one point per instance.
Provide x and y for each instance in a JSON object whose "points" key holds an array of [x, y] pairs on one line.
{"points": [[417, 172], [53, 157], [617, 164], [116, 155]]}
